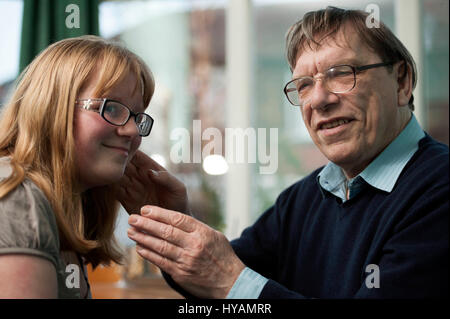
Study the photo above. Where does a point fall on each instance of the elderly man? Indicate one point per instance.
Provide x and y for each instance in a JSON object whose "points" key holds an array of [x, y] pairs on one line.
{"points": [[372, 223]]}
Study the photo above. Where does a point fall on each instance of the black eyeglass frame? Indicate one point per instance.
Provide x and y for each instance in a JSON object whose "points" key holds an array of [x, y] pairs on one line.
{"points": [[87, 106], [355, 69]]}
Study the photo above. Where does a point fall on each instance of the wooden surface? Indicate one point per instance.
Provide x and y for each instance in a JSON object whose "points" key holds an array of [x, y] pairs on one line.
{"points": [[146, 288]]}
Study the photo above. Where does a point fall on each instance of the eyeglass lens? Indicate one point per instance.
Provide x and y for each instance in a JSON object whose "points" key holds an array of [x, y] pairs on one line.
{"points": [[115, 113], [337, 80], [119, 114]]}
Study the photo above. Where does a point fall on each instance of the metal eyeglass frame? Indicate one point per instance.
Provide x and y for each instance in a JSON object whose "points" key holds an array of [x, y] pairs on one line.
{"points": [[355, 69]]}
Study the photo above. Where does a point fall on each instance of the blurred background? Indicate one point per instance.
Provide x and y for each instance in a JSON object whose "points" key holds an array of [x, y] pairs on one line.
{"points": [[221, 62]]}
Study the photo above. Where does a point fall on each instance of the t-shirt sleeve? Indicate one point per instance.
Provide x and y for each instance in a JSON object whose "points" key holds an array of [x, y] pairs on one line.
{"points": [[27, 224]]}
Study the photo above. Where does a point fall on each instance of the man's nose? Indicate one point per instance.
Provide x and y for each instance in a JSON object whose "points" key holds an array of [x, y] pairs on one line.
{"points": [[321, 97]]}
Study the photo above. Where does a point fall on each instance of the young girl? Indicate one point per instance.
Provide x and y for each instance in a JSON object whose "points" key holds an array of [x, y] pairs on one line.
{"points": [[73, 123]]}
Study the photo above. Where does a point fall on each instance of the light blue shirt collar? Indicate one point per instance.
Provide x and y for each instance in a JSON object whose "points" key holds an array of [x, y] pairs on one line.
{"points": [[383, 172]]}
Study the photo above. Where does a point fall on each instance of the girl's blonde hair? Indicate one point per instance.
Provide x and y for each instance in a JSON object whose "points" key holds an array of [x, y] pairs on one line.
{"points": [[37, 134]]}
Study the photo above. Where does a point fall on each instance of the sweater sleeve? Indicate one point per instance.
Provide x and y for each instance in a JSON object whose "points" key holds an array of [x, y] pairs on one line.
{"points": [[257, 248]]}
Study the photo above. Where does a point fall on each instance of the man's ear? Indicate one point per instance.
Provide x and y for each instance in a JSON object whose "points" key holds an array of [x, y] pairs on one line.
{"points": [[403, 72]]}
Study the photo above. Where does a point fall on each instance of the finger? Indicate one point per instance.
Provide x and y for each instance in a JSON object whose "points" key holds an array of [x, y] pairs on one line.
{"points": [[163, 231], [132, 172], [142, 180], [144, 166], [129, 173], [125, 181], [141, 160], [170, 217], [131, 194], [161, 247], [128, 201], [140, 192], [166, 179], [162, 262], [136, 167], [121, 193], [136, 180]]}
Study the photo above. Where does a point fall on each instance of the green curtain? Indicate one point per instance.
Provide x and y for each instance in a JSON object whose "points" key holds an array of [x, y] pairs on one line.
{"points": [[46, 21]]}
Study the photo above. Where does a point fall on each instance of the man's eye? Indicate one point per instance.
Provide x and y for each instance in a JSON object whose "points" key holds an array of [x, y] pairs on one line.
{"points": [[339, 73], [303, 86]]}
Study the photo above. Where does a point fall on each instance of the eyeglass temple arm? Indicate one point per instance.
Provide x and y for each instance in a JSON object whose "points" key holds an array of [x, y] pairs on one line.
{"points": [[86, 103], [370, 66]]}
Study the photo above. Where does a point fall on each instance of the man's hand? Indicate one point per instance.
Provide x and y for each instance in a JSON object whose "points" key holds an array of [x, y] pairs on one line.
{"points": [[199, 258], [145, 182]]}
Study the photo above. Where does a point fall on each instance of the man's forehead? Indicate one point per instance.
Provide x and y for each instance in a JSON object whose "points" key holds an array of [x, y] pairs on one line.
{"points": [[342, 47], [327, 51]]}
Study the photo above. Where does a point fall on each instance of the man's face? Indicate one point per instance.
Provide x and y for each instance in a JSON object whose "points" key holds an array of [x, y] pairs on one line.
{"points": [[371, 107]]}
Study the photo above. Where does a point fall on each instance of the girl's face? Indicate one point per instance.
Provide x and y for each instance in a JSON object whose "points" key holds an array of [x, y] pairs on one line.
{"points": [[102, 149]]}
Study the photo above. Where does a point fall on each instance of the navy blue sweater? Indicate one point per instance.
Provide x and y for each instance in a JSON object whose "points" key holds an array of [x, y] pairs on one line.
{"points": [[310, 245]]}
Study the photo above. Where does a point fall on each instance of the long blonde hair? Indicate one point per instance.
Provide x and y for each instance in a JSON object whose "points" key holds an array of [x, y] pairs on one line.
{"points": [[37, 134]]}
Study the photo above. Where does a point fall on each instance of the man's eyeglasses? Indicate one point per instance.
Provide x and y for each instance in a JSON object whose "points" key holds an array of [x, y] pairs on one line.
{"points": [[118, 114], [337, 79]]}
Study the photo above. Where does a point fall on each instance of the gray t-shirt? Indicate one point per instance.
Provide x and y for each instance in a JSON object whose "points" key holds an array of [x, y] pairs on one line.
{"points": [[28, 226]]}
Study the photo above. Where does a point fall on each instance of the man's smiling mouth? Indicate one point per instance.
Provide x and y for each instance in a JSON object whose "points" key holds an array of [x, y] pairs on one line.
{"points": [[332, 123]]}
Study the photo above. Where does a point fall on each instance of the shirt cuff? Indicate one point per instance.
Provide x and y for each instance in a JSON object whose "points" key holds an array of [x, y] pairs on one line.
{"points": [[248, 285]]}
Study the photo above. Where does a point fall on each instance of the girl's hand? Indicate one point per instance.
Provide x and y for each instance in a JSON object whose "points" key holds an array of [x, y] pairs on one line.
{"points": [[145, 182]]}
